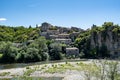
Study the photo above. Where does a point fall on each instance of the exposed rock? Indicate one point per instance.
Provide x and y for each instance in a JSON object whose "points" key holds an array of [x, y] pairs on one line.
{"points": [[108, 38]]}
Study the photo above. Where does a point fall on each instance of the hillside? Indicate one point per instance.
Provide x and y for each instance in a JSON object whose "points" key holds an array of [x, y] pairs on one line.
{"points": [[18, 34], [48, 42], [100, 42]]}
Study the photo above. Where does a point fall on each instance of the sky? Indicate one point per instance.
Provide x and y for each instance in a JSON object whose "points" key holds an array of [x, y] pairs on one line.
{"points": [[66, 13]]}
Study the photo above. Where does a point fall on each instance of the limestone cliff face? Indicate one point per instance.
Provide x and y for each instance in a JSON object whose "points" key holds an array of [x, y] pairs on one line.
{"points": [[107, 37]]}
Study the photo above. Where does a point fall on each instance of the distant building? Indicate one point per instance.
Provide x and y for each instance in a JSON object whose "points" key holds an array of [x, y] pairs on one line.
{"points": [[53, 32], [50, 34], [64, 41], [45, 26], [53, 36], [63, 36], [45, 34], [72, 51], [64, 30]]}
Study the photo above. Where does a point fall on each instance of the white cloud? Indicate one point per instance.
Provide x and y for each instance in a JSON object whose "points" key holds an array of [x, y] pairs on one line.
{"points": [[3, 19]]}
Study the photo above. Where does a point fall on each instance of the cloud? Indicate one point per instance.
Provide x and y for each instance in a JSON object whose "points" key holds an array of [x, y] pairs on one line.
{"points": [[3, 19]]}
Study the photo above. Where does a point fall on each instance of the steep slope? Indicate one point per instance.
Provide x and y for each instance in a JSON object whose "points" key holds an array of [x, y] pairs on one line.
{"points": [[101, 41]]}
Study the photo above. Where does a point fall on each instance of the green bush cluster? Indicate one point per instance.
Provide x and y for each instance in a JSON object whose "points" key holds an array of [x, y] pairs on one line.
{"points": [[35, 51]]}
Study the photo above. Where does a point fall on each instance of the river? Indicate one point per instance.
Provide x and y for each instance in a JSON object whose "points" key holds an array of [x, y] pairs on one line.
{"points": [[20, 65]]}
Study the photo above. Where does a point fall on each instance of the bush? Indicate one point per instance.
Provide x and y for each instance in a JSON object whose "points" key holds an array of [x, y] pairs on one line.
{"points": [[9, 53], [55, 51]]}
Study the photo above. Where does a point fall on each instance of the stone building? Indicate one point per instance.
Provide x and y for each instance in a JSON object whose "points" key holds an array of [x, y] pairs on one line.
{"points": [[45, 34], [63, 41], [53, 32], [53, 36], [63, 36], [64, 30], [72, 51], [45, 26]]}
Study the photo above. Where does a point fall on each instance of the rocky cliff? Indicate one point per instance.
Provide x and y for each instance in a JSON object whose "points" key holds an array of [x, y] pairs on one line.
{"points": [[108, 36], [100, 41]]}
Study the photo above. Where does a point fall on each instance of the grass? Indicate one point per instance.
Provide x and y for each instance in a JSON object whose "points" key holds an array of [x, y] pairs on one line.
{"points": [[29, 71], [27, 78], [1, 55], [87, 68], [79, 66], [4, 73], [28, 67]]}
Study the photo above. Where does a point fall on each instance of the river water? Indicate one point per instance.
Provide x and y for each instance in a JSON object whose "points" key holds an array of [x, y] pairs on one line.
{"points": [[20, 65]]}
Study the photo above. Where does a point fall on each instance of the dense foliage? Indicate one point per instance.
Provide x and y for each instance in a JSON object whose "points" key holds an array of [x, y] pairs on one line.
{"points": [[55, 51], [18, 34], [35, 51], [20, 44]]}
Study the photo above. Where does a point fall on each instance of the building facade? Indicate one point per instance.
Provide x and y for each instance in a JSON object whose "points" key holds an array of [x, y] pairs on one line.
{"points": [[72, 51]]}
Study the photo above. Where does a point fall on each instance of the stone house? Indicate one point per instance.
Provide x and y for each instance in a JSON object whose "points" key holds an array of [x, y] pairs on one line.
{"points": [[45, 26], [64, 30], [72, 51], [50, 34], [64, 41], [53, 36], [53, 32], [63, 36], [45, 34]]}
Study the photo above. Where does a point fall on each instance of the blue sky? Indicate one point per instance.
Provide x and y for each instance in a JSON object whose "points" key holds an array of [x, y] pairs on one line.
{"points": [[79, 13]]}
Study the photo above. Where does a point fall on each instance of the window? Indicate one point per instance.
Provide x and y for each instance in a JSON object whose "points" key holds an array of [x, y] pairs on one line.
{"points": [[116, 53]]}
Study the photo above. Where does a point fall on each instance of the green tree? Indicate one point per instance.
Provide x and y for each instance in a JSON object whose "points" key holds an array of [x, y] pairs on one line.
{"points": [[41, 45], [9, 52], [55, 51]]}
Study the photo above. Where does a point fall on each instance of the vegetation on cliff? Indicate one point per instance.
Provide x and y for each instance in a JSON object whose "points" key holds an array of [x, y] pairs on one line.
{"points": [[96, 42]]}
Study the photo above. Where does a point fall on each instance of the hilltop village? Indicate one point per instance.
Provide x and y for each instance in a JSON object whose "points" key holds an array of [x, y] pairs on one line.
{"points": [[61, 35]]}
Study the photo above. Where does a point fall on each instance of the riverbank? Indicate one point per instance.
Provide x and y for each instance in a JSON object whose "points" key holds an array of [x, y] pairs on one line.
{"points": [[37, 71], [77, 70]]}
